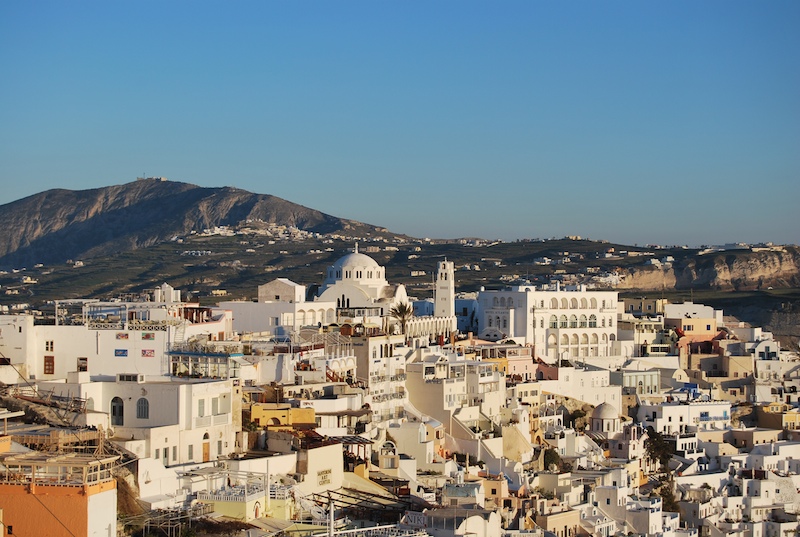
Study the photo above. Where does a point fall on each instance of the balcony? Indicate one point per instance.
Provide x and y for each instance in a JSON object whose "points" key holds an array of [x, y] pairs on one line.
{"points": [[202, 421], [702, 419]]}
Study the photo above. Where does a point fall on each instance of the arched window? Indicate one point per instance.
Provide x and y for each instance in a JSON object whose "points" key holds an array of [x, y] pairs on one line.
{"points": [[143, 409], [573, 303], [563, 322], [494, 301], [502, 302], [553, 321], [564, 304], [592, 320], [573, 321], [117, 410], [583, 303], [554, 303], [583, 323], [505, 323], [593, 303], [490, 322], [510, 302]]}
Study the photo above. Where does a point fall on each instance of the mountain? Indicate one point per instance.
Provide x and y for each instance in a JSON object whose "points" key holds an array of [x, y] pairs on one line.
{"points": [[60, 224]]}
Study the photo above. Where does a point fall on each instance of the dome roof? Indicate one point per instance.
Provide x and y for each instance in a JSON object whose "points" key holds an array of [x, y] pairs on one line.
{"points": [[605, 411], [356, 260]]}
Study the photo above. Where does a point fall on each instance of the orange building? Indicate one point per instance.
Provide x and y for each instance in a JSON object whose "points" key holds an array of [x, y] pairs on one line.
{"points": [[58, 494]]}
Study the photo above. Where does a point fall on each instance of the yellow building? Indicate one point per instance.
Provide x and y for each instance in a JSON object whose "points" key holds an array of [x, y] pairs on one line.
{"points": [[778, 416], [281, 416]]}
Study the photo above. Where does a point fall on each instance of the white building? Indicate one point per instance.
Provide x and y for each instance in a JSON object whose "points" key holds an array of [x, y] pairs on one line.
{"points": [[682, 416], [560, 322], [108, 338]]}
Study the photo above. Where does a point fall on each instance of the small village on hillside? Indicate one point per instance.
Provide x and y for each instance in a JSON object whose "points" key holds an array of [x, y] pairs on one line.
{"points": [[348, 407]]}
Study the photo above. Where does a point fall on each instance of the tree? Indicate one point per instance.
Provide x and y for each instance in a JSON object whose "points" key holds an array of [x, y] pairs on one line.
{"points": [[657, 448], [551, 458], [403, 312]]}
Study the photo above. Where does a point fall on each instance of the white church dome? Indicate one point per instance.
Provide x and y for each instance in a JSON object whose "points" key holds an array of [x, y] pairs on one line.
{"points": [[605, 411], [355, 260]]}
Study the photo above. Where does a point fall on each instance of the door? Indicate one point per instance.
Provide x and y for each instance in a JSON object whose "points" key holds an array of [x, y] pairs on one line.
{"points": [[117, 410], [206, 451]]}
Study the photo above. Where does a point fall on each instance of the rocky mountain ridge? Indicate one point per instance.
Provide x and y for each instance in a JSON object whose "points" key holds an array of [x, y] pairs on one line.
{"points": [[60, 224]]}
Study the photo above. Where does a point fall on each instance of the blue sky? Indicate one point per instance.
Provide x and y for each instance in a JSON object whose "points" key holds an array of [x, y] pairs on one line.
{"points": [[637, 122]]}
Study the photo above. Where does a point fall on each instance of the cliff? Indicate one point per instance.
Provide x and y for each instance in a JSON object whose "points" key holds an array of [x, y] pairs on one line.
{"points": [[736, 270]]}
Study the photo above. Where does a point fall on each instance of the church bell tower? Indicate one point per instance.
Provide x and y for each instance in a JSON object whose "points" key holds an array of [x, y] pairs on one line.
{"points": [[444, 294]]}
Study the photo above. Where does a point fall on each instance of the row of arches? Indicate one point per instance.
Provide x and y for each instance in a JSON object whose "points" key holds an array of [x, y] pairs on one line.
{"points": [[312, 317], [430, 326], [584, 345], [574, 303], [582, 321], [564, 304]]}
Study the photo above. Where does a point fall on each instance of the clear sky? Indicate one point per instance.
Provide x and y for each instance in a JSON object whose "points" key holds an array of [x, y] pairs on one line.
{"points": [[665, 122]]}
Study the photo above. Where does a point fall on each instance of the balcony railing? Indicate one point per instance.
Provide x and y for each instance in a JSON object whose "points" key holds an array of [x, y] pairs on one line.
{"points": [[711, 418]]}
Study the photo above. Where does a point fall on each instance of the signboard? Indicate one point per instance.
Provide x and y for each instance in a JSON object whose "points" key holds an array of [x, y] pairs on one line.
{"points": [[122, 335], [148, 353], [323, 477], [414, 519], [120, 352], [149, 336]]}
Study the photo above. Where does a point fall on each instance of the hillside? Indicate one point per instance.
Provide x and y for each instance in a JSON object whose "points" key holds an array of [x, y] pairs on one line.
{"points": [[57, 225]]}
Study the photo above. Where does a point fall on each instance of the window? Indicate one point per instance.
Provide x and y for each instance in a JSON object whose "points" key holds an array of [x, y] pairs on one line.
{"points": [[49, 365], [143, 410], [191, 452], [48, 346], [708, 327], [219, 447], [201, 408], [83, 364], [158, 453], [215, 406], [174, 453]]}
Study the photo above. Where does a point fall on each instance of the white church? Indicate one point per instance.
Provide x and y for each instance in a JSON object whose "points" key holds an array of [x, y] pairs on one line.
{"points": [[355, 292]]}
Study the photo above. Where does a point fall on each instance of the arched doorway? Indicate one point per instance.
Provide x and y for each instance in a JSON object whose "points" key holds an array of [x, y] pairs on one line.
{"points": [[117, 409], [206, 448]]}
